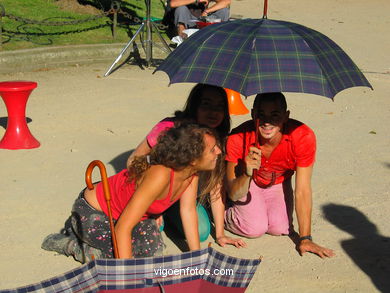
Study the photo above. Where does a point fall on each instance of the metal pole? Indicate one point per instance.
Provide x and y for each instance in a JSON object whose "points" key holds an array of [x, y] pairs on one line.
{"points": [[161, 38], [1, 32], [124, 49], [148, 35], [2, 13], [114, 24], [147, 25], [115, 6]]}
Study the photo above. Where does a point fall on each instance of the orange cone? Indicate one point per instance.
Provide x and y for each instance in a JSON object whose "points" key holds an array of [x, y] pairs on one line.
{"points": [[236, 106]]}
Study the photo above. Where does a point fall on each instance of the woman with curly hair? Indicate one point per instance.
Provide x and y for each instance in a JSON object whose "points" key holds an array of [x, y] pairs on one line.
{"points": [[140, 194], [206, 105]]}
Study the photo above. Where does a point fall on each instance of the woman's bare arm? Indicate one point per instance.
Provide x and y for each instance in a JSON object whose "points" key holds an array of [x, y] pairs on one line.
{"points": [[189, 215]]}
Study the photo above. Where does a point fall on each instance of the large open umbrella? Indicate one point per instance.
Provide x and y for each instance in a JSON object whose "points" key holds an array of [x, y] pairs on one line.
{"points": [[204, 270], [254, 56]]}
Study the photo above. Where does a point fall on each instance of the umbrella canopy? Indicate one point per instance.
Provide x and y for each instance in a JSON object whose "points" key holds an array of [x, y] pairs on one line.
{"points": [[205, 270], [254, 56]]}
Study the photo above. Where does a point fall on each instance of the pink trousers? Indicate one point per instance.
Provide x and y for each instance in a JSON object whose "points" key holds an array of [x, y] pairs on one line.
{"points": [[262, 210]]}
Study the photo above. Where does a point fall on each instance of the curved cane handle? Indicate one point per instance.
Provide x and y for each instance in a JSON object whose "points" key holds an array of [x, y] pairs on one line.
{"points": [[103, 175], [107, 195]]}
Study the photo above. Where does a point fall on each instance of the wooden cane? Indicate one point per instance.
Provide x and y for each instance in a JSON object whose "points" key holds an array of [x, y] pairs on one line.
{"points": [[107, 195]]}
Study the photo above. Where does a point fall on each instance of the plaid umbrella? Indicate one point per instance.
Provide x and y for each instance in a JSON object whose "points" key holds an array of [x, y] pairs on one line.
{"points": [[204, 270], [254, 56]]}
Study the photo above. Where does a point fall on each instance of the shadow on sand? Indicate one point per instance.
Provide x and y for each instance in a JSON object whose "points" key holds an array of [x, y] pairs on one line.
{"points": [[119, 162], [4, 121], [367, 248]]}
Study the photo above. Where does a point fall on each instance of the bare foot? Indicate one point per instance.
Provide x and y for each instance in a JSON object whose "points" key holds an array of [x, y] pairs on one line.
{"points": [[180, 31]]}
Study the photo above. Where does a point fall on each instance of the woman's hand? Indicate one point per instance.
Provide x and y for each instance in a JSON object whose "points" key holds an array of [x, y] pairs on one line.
{"points": [[159, 221], [237, 242]]}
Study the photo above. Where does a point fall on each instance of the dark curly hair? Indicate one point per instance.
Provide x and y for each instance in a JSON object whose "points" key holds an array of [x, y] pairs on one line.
{"points": [[176, 148]]}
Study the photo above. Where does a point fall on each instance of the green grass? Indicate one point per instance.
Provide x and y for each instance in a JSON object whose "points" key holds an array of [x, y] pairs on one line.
{"points": [[20, 35]]}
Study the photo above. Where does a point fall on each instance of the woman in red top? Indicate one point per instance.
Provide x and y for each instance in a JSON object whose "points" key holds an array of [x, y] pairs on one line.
{"points": [[140, 194]]}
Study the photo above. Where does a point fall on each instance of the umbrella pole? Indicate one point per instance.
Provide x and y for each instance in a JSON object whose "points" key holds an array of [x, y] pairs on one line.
{"points": [[257, 124], [265, 8], [254, 175], [107, 196]]}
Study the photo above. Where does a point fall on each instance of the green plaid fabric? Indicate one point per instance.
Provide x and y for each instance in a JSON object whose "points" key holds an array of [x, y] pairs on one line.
{"points": [[186, 272], [254, 56]]}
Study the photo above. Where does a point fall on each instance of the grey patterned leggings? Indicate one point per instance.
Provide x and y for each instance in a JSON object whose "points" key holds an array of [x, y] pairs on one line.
{"points": [[92, 228]]}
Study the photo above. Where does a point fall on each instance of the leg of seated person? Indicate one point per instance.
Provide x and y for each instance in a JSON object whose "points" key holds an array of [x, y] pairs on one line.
{"points": [[180, 30], [248, 216], [184, 16], [223, 14]]}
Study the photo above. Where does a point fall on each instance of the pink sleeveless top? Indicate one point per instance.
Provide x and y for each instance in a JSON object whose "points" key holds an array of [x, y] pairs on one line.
{"points": [[121, 192]]}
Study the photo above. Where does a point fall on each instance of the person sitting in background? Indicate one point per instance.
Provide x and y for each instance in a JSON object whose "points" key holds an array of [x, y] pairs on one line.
{"points": [[186, 13]]}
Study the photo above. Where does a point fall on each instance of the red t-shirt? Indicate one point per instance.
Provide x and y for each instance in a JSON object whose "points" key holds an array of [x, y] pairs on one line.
{"points": [[121, 192], [296, 148]]}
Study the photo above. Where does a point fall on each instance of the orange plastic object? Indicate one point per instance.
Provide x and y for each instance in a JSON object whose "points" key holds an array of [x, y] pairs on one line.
{"points": [[15, 95], [107, 195], [236, 106]]}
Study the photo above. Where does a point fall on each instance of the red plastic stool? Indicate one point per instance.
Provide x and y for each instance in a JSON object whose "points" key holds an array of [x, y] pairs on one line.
{"points": [[15, 95]]}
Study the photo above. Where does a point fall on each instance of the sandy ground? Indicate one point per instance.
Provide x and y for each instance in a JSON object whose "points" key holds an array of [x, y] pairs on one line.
{"points": [[78, 116]]}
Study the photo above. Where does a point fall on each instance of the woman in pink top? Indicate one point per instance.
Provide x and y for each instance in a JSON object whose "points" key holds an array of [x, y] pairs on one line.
{"points": [[150, 185], [206, 105]]}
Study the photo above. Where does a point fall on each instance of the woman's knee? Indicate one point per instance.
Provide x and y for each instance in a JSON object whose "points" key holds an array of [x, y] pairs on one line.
{"points": [[180, 13], [223, 14]]}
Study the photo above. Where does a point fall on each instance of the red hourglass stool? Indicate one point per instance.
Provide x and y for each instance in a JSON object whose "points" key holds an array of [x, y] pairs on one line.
{"points": [[15, 95]]}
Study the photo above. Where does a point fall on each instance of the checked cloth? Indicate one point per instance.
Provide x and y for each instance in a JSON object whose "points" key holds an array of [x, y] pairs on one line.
{"points": [[104, 275]]}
